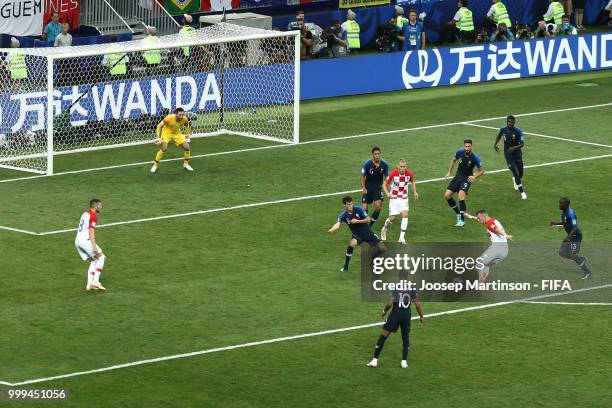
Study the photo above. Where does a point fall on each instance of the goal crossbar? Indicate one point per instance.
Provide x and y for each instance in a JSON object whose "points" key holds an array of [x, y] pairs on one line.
{"points": [[236, 80]]}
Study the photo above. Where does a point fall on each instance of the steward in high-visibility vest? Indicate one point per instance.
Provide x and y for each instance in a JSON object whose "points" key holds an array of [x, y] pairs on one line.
{"points": [[186, 31], [152, 57], [399, 12], [116, 61], [555, 13], [17, 62], [467, 21], [500, 14], [352, 31]]}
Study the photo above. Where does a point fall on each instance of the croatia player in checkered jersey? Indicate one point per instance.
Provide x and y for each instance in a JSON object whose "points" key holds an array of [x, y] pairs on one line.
{"points": [[396, 188], [86, 246], [498, 251]]}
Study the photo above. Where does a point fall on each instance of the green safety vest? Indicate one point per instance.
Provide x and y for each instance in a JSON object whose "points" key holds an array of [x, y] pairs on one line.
{"points": [[121, 67], [153, 57], [558, 12], [400, 22], [18, 66], [500, 15], [186, 32], [352, 34], [467, 22]]}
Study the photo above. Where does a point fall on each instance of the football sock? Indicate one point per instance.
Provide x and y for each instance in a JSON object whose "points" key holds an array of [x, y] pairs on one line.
{"points": [[578, 260], [462, 208], [379, 345], [404, 227], [405, 346], [517, 180], [97, 274], [159, 155], [91, 272], [453, 204], [374, 217], [388, 223], [349, 254], [186, 156], [98, 268]]}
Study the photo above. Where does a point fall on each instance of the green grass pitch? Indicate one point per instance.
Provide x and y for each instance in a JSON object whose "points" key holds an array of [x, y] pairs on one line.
{"points": [[235, 276]]}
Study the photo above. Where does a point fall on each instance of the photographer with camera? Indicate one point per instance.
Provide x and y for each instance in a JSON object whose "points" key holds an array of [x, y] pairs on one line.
{"points": [[388, 37], [566, 27], [306, 40], [523, 32], [482, 37], [299, 21], [336, 46], [502, 33]]}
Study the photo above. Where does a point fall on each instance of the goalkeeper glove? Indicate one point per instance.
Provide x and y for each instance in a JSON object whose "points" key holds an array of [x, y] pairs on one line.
{"points": [[157, 140]]}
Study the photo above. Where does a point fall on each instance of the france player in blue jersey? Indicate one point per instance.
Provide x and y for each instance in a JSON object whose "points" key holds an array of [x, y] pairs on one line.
{"points": [[460, 184], [399, 302], [358, 222], [373, 173], [570, 247], [413, 32], [513, 152]]}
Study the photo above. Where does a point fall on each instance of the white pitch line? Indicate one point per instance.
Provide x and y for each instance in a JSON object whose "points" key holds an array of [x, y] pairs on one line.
{"points": [[332, 139], [601, 105], [288, 338], [302, 198], [569, 303], [544, 136], [18, 230]]}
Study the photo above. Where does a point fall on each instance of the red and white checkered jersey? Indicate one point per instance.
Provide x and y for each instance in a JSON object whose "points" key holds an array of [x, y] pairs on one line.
{"points": [[89, 219], [398, 183], [494, 227]]}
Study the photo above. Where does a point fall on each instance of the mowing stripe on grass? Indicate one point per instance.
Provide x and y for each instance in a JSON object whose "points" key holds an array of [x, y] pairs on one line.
{"points": [[544, 136], [288, 338], [332, 139], [302, 198]]}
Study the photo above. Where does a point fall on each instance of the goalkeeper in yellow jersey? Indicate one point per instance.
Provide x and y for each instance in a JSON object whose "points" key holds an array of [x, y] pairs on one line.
{"points": [[169, 130]]}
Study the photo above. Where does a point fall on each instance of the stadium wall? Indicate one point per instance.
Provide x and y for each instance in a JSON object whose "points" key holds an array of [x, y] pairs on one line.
{"points": [[455, 65]]}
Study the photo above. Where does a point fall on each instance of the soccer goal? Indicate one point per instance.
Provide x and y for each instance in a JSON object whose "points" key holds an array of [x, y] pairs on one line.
{"points": [[232, 80]]}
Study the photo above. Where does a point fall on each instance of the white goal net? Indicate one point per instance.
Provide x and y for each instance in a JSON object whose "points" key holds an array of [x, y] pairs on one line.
{"points": [[232, 80]]}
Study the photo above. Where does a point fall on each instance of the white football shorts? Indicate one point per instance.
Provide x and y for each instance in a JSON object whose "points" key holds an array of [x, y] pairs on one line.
{"points": [[397, 205], [85, 249]]}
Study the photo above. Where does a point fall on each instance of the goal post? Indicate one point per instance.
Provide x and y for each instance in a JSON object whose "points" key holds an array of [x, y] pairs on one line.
{"points": [[232, 80]]}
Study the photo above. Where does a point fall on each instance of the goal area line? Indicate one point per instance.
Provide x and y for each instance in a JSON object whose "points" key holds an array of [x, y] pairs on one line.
{"points": [[289, 338], [44, 155]]}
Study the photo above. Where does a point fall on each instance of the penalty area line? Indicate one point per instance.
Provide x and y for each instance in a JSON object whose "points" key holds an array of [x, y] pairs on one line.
{"points": [[544, 136], [302, 198], [288, 338], [332, 139]]}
